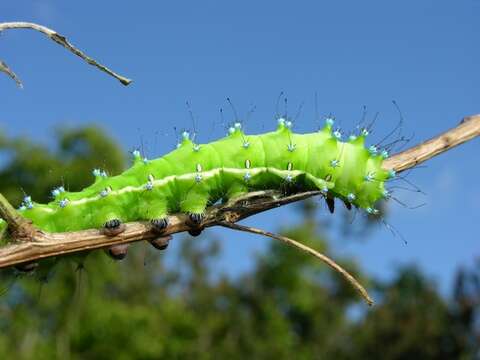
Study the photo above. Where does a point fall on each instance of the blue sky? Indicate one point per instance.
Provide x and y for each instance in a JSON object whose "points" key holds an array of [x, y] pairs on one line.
{"points": [[423, 54]]}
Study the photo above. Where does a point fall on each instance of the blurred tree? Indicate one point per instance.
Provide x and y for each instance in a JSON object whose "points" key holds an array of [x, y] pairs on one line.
{"points": [[412, 321], [288, 306], [35, 169]]}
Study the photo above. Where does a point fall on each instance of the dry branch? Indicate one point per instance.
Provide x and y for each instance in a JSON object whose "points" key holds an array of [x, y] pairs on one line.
{"points": [[468, 129], [361, 290], [4, 68], [30, 244], [59, 39]]}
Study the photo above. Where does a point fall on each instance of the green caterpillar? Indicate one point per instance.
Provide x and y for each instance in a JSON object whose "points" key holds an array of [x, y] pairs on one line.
{"points": [[194, 176]]}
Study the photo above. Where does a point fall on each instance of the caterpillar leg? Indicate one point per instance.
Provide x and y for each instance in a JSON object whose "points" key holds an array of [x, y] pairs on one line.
{"points": [[195, 219], [159, 224], [348, 205], [194, 204], [113, 227], [27, 267], [195, 222], [324, 186], [331, 204], [195, 201], [154, 207], [161, 243], [118, 252]]}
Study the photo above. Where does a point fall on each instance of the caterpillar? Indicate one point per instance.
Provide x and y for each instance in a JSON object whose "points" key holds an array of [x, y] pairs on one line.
{"points": [[193, 176]]}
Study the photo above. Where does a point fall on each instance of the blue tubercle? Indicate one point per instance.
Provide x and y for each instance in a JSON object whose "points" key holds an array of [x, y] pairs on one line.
{"points": [[136, 154], [99, 173], [27, 202], [329, 121], [58, 191], [373, 150], [369, 177], [334, 163]]}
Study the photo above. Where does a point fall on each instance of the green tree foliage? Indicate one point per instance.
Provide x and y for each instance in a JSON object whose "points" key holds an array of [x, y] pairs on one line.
{"points": [[289, 306], [36, 169]]}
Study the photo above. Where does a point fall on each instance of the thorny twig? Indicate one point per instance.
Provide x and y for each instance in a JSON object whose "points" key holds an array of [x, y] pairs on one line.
{"points": [[59, 39], [39, 245]]}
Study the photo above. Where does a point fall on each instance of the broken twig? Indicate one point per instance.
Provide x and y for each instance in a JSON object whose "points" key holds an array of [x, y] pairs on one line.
{"points": [[59, 39]]}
